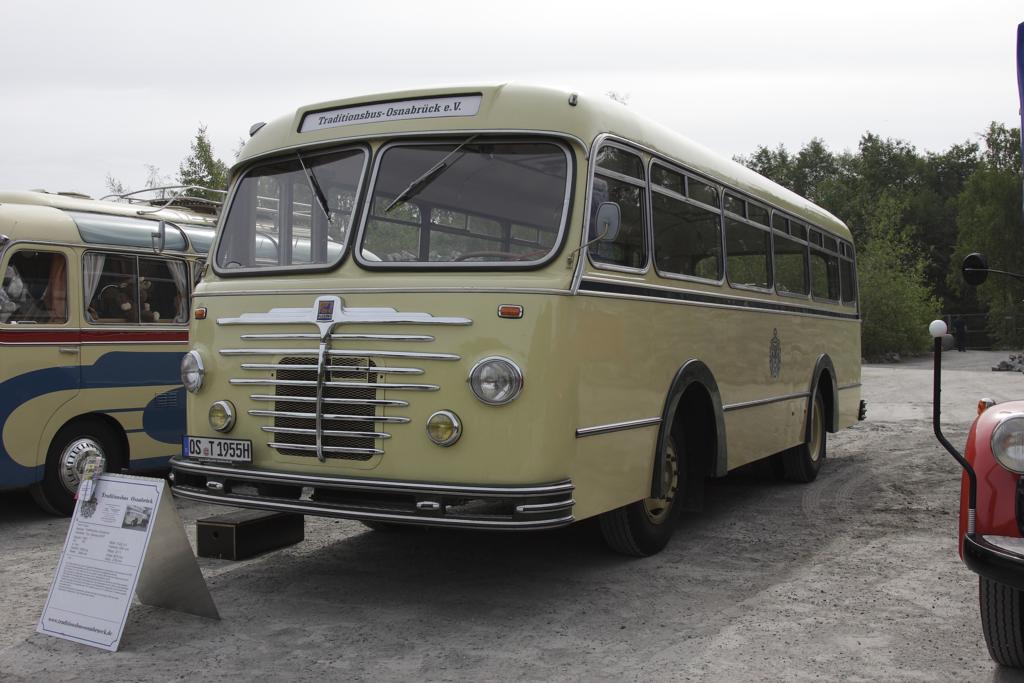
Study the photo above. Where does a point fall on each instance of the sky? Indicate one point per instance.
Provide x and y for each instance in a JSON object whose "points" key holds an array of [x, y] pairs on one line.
{"points": [[107, 88]]}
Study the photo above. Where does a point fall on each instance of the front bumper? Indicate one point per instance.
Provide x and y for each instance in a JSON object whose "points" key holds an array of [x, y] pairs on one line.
{"points": [[999, 558], [540, 506]]}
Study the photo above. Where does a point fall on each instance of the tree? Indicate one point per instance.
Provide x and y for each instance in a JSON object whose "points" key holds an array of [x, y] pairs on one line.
{"points": [[202, 168], [989, 221]]}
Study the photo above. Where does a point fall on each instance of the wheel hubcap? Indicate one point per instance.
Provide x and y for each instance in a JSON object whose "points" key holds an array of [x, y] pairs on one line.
{"points": [[73, 460], [817, 429], [657, 509]]}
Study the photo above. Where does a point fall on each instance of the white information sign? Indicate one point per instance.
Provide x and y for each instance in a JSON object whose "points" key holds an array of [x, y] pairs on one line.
{"points": [[426, 108], [126, 540]]}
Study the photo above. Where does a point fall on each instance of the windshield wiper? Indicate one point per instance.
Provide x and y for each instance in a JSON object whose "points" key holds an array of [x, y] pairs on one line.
{"points": [[314, 188], [433, 172]]}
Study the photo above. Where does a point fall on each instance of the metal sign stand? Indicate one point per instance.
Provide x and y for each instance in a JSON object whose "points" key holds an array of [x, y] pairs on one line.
{"points": [[125, 539]]}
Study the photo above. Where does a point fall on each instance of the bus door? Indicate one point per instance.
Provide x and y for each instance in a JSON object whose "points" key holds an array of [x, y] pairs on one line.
{"points": [[40, 358]]}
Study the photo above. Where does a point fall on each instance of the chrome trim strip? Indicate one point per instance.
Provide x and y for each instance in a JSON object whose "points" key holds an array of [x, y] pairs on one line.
{"points": [[312, 508], [347, 316], [855, 385], [320, 449], [329, 416], [765, 401], [535, 508], [396, 290], [295, 479], [335, 337], [345, 401], [326, 432], [617, 426], [373, 370], [342, 353], [342, 385]]}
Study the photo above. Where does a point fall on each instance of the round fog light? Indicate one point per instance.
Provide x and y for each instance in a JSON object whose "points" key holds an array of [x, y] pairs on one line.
{"points": [[444, 428], [222, 416]]}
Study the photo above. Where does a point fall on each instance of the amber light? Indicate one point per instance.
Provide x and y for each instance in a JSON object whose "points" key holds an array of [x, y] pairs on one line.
{"points": [[200, 313], [984, 404], [510, 311]]}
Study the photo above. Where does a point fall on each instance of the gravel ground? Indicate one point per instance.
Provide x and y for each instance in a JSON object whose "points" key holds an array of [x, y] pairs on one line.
{"points": [[853, 577]]}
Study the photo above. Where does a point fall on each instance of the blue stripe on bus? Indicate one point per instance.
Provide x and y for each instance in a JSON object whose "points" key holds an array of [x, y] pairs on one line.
{"points": [[163, 418]]}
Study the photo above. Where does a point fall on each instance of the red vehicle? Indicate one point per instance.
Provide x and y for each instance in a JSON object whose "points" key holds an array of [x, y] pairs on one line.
{"points": [[991, 502]]}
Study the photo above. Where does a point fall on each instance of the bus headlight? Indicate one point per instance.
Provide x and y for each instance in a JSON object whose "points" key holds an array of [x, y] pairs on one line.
{"points": [[192, 371], [222, 416], [496, 380], [1008, 442], [444, 428]]}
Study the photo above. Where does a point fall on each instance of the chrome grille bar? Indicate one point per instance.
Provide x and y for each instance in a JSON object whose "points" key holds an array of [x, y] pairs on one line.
{"points": [[346, 401], [337, 337], [330, 416], [342, 353], [326, 432], [393, 386], [320, 449], [376, 369]]}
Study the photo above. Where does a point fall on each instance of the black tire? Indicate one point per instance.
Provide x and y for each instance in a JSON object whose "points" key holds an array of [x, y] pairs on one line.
{"points": [[1002, 620], [644, 528], [803, 462], [65, 461]]}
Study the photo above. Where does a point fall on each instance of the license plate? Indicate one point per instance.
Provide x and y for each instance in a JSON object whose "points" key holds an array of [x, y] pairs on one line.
{"points": [[224, 450]]}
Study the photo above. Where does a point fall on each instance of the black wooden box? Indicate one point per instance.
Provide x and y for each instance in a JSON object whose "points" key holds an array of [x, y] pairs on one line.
{"points": [[243, 534]]}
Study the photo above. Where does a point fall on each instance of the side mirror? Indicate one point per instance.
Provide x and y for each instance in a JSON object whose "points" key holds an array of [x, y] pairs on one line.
{"points": [[975, 269], [160, 238], [608, 222]]}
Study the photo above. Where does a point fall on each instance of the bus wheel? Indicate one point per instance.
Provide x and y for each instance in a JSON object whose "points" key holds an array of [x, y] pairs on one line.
{"points": [[1002, 620], [643, 528], [803, 462], [73, 446]]}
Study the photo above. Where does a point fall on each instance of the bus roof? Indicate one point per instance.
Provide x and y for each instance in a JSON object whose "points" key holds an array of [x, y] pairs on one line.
{"points": [[521, 108], [38, 215]]}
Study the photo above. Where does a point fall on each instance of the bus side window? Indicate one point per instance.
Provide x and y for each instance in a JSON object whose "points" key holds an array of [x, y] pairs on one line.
{"points": [[163, 290], [35, 287], [110, 288], [619, 178]]}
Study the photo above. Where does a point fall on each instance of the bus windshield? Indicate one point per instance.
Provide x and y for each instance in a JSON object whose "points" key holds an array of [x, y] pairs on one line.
{"points": [[466, 202], [293, 212]]}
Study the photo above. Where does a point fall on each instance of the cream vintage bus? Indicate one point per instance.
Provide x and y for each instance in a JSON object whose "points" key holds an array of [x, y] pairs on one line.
{"points": [[509, 308], [93, 324]]}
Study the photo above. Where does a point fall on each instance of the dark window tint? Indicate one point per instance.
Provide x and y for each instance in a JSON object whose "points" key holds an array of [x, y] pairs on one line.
{"points": [[757, 214], [824, 275], [797, 230], [780, 222], [746, 249], [687, 238], [735, 205], [35, 288], [620, 161], [628, 248], [790, 265], [702, 192], [831, 244], [849, 282], [670, 180]]}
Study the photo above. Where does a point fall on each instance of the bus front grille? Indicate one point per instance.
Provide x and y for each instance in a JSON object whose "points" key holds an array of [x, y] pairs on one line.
{"points": [[322, 398], [351, 438]]}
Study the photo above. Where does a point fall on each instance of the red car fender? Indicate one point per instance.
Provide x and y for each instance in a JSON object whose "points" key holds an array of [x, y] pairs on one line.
{"points": [[997, 486]]}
